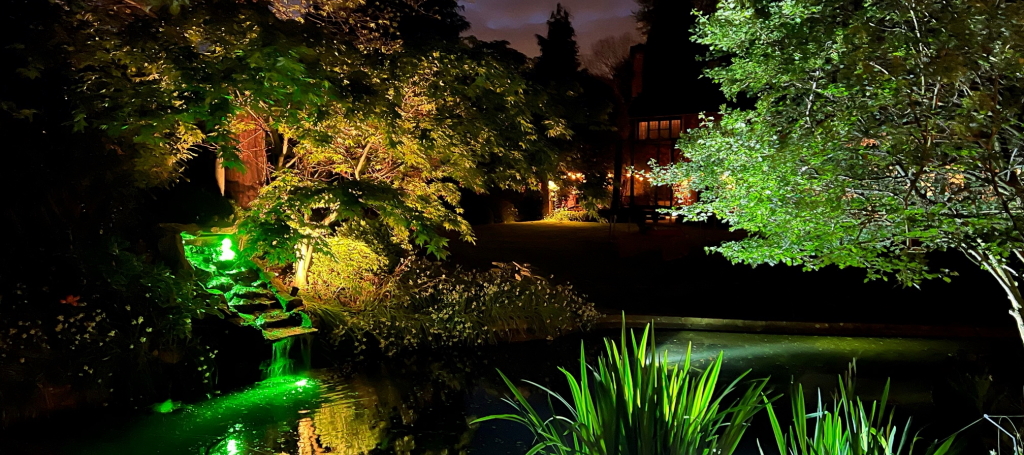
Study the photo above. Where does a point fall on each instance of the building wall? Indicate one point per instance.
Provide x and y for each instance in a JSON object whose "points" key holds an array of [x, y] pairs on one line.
{"points": [[653, 140]]}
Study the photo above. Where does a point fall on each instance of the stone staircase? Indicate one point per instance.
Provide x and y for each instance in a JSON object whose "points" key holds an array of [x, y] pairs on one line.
{"points": [[250, 298]]}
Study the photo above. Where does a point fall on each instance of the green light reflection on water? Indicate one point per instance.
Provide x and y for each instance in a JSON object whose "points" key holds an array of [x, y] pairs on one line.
{"points": [[233, 424]]}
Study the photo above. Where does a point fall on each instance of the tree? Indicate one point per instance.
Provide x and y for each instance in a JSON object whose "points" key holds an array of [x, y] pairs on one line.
{"points": [[559, 54], [883, 131], [381, 110], [454, 117], [607, 53], [584, 102]]}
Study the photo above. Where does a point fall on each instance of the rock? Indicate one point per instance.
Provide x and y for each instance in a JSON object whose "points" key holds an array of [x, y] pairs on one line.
{"points": [[249, 307], [293, 303], [244, 277], [277, 319]]}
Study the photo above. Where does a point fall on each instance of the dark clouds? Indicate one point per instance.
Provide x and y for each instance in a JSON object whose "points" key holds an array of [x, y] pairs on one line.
{"points": [[517, 21]]}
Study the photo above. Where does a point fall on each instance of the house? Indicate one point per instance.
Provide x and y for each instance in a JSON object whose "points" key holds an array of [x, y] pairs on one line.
{"points": [[665, 95]]}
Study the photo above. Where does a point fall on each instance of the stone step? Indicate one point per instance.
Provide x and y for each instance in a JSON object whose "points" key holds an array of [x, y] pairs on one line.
{"points": [[274, 334], [250, 307], [278, 318]]}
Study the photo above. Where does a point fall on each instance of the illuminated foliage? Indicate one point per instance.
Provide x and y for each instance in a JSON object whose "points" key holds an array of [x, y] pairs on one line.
{"points": [[884, 130], [422, 304], [380, 111], [385, 113], [344, 268], [635, 401], [434, 121]]}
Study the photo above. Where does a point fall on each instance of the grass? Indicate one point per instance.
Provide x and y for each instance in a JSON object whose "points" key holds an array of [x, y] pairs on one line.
{"points": [[638, 403]]}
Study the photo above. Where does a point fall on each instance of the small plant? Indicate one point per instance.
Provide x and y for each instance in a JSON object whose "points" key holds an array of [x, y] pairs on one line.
{"points": [[563, 215], [638, 403], [847, 427]]}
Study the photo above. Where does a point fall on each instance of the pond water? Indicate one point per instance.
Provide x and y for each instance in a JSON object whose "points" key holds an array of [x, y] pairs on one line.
{"points": [[423, 405]]}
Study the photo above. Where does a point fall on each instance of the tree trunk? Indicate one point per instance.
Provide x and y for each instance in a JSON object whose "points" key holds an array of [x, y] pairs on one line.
{"points": [[1006, 278], [1018, 315], [305, 256], [243, 185], [545, 196]]}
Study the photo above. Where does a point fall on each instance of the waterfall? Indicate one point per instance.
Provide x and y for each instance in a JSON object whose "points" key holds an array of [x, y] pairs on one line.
{"points": [[280, 359], [281, 363]]}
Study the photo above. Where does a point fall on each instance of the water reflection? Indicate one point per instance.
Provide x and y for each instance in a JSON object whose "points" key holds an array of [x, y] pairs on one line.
{"points": [[422, 406], [381, 409]]}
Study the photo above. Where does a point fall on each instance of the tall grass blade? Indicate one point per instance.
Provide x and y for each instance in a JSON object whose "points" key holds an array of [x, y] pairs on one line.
{"points": [[635, 402]]}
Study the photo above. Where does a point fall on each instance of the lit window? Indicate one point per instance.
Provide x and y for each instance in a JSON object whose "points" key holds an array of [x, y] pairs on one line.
{"points": [[659, 129]]}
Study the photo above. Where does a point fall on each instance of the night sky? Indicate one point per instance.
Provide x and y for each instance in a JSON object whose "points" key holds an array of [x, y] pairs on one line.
{"points": [[517, 21]]}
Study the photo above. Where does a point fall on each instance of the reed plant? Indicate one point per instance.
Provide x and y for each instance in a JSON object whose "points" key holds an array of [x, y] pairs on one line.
{"points": [[847, 427], [636, 402]]}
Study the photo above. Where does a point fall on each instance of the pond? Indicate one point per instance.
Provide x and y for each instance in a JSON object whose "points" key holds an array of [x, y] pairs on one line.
{"points": [[423, 404]]}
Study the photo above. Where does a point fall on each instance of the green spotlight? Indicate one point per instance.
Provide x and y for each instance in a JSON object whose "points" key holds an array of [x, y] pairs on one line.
{"points": [[232, 447], [226, 254], [301, 382]]}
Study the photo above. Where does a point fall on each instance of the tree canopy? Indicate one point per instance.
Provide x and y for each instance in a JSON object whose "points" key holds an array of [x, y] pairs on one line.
{"points": [[380, 110], [883, 130], [585, 103]]}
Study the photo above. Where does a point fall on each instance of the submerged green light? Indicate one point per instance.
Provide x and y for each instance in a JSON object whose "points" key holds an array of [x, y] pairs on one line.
{"points": [[226, 253], [165, 407], [301, 382], [232, 447]]}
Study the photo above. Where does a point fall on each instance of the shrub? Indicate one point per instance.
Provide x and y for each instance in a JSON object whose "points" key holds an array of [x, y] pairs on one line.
{"points": [[563, 215], [423, 304], [101, 325], [344, 272], [636, 402]]}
